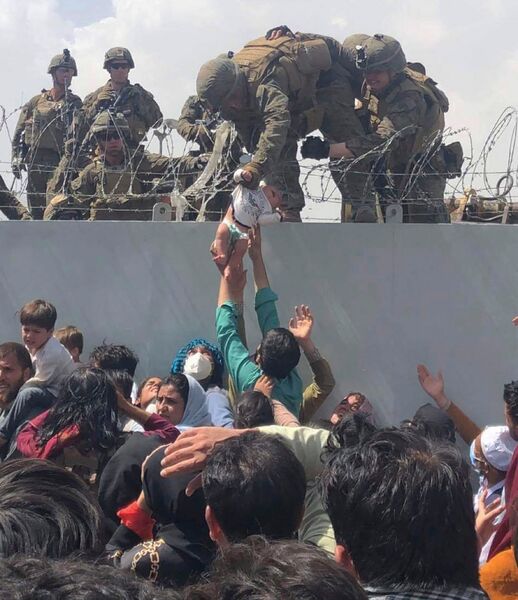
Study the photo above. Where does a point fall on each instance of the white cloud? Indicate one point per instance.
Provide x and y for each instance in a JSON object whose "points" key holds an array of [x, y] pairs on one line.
{"points": [[170, 40]]}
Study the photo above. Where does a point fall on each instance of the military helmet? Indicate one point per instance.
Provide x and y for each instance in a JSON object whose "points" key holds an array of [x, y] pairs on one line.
{"points": [[108, 121], [62, 60], [118, 53], [380, 53], [217, 81]]}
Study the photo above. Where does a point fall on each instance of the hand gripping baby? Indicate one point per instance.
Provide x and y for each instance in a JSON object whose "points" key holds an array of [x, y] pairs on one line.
{"points": [[248, 209]]}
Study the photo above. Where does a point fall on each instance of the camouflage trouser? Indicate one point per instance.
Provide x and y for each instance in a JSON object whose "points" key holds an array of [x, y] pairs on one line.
{"points": [[425, 200], [56, 181], [40, 167], [286, 179], [12, 208], [422, 199], [339, 122]]}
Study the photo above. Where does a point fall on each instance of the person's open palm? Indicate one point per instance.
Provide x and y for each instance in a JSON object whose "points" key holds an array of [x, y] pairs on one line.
{"points": [[433, 385], [301, 324]]}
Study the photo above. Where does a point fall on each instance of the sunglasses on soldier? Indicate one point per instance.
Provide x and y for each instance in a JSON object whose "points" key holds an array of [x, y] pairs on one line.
{"points": [[117, 66], [106, 137]]}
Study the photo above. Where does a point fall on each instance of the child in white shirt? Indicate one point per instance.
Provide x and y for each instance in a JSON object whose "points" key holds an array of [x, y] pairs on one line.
{"points": [[51, 361]]}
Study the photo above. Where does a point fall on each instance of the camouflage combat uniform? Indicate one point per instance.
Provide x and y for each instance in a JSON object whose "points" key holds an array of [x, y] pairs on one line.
{"points": [[41, 129], [411, 107], [289, 95], [12, 208], [136, 104], [192, 126], [123, 192]]}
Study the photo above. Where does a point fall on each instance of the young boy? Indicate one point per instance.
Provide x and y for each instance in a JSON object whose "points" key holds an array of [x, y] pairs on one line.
{"points": [[72, 338], [51, 361]]}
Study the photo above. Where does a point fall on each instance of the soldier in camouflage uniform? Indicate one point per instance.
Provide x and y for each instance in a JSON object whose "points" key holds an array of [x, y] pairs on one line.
{"points": [[136, 104], [276, 91], [197, 125], [12, 208], [117, 185], [407, 118], [39, 137], [118, 95]]}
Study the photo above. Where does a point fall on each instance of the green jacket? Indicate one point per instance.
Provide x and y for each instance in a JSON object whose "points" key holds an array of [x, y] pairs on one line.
{"points": [[242, 369]]}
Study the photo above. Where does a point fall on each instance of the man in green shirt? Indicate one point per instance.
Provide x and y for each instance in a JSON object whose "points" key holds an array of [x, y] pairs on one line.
{"points": [[278, 353]]}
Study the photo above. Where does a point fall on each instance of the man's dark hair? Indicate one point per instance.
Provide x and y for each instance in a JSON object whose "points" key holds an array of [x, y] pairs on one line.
{"points": [[115, 357], [71, 337], [122, 380], [87, 400], [23, 358], [46, 511], [266, 570], [255, 485], [402, 506], [39, 313], [180, 382], [279, 353], [432, 422], [26, 578], [511, 400], [253, 409], [349, 431]]}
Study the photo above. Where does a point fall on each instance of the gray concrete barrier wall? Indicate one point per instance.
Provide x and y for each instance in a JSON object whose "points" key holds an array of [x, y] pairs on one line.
{"points": [[385, 297]]}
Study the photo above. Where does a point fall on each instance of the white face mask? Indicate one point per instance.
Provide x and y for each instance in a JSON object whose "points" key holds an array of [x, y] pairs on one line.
{"points": [[198, 365]]}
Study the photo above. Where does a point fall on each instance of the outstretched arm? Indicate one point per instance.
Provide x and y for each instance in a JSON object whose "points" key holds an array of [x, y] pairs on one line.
{"points": [[301, 326], [433, 385], [256, 255]]}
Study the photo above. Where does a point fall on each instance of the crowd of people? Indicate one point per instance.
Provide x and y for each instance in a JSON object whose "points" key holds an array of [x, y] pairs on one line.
{"points": [[381, 118], [223, 480]]}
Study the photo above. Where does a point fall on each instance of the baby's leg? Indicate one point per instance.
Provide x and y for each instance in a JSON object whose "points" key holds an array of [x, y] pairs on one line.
{"points": [[236, 258], [220, 246]]}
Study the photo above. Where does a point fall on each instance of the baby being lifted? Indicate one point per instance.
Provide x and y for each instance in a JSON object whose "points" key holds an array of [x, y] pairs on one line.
{"points": [[248, 209]]}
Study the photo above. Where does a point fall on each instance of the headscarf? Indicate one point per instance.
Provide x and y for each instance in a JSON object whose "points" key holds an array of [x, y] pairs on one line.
{"points": [[219, 363], [196, 413]]}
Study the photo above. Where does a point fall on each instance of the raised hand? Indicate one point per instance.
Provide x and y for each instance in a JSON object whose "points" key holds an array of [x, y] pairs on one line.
{"points": [[301, 324], [433, 385], [265, 385], [254, 243]]}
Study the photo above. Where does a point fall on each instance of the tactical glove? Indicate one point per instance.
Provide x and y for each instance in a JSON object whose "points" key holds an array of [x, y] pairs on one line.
{"points": [[240, 176], [279, 31], [315, 147]]}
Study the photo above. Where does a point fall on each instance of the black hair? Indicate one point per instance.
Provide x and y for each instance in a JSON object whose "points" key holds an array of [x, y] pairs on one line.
{"points": [[122, 380], [349, 431], [254, 484], [180, 382], [46, 511], [88, 400], [39, 313], [25, 578], [432, 422], [402, 505], [511, 400], [279, 353], [253, 409], [143, 384], [23, 358], [270, 570], [116, 357]]}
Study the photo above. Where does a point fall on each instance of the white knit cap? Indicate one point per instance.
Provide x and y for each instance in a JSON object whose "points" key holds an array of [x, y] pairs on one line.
{"points": [[498, 446]]}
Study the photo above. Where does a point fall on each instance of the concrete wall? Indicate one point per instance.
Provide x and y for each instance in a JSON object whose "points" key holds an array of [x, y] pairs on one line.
{"points": [[385, 297]]}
